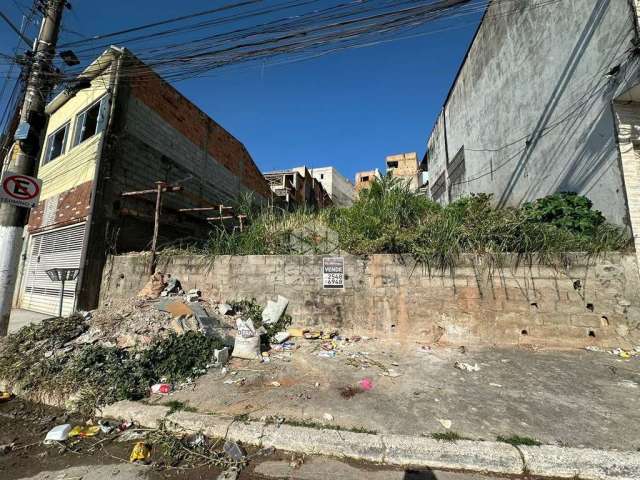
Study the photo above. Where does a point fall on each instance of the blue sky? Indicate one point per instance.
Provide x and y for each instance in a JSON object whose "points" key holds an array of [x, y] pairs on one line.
{"points": [[348, 109]]}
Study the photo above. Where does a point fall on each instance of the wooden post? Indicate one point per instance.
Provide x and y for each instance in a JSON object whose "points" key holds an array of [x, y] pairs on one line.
{"points": [[156, 227]]}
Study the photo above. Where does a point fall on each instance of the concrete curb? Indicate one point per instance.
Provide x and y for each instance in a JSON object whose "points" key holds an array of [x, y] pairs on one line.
{"points": [[397, 450]]}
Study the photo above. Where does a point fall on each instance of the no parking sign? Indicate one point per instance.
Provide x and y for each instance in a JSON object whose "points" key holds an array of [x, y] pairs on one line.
{"points": [[20, 190]]}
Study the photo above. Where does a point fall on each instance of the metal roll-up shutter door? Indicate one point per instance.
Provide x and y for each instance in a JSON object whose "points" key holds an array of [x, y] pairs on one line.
{"points": [[58, 249]]}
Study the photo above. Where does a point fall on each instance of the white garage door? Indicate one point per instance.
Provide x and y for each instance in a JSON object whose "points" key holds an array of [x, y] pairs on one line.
{"points": [[58, 249]]}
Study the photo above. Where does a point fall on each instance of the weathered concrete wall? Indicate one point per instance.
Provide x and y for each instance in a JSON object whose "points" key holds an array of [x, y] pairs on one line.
{"points": [[532, 104], [389, 296]]}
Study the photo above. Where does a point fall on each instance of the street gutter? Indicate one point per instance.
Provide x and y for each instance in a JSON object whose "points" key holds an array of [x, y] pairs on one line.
{"points": [[396, 450]]}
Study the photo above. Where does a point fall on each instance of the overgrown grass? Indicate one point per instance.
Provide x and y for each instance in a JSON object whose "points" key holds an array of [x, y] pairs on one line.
{"points": [[178, 406], [94, 375], [449, 436], [518, 440], [390, 218], [308, 423]]}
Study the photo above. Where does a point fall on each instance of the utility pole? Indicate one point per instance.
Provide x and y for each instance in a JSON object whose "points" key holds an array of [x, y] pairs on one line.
{"points": [[23, 160]]}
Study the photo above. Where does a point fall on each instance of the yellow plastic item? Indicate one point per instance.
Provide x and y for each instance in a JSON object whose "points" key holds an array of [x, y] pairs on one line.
{"points": [[297, 332], [140, 453], [84, 431], [625, 355], [5, 396]]}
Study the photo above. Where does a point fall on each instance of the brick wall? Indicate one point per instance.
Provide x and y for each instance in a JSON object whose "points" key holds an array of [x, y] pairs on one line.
{"points": [[386, 296], [72, 206], [194, 124]]}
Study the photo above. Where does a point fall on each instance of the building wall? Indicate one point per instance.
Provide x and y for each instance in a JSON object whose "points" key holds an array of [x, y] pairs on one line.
{"points": [[530, 111], [337, 186], [370, 175], [407, 168], [390, 297], [67, 180]]}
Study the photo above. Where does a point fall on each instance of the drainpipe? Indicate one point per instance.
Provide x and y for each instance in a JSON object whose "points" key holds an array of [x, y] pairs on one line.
{"points": [[114, 82]]}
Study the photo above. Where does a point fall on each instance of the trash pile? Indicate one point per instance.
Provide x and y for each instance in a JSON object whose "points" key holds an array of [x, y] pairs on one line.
{"points": [[157, 447], [617, 352]]}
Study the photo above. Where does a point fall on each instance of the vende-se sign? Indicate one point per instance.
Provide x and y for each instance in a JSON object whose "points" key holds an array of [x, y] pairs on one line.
{"points": [[333, 272], [20, 190]]}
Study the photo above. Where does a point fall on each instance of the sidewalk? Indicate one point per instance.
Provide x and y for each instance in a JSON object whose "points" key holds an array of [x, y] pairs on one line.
{"points": [[572, 398], [21, 318]]}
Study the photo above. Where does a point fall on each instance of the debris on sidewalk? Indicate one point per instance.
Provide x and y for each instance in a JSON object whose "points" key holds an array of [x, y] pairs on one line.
{"points": [[161, 388], [141, 453], [5, 396], [328, 417], [233, 450], [445, 423], [247, 343], [274, 310], [366, 384], [59, 433], [467, 367], [153, 288], [172, 286], [83, 431]]}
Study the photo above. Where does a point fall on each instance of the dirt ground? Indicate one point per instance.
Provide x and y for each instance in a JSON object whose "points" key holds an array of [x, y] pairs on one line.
{"points": [[573, 398]]}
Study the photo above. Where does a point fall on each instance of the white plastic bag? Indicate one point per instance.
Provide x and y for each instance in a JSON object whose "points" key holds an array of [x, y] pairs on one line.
{"points": [[247, 343], [59, 433], [274, 310]]}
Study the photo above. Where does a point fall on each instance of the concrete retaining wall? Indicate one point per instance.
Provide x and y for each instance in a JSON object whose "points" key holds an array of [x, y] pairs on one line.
{"points": [[590, 303]]}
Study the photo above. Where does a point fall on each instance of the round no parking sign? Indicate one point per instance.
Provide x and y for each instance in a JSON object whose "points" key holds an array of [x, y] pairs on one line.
{"points": [[20, 190]]}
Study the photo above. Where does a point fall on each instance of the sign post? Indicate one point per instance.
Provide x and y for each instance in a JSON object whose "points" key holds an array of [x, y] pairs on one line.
{"points": [[333, 272], [20, 190]]}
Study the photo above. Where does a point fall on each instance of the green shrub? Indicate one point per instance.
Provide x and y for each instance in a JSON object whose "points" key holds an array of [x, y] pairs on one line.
{"points": [[566, 210]]}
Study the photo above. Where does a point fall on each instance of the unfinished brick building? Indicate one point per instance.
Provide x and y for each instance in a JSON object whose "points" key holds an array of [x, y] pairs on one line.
{"points": [[120, 127]]}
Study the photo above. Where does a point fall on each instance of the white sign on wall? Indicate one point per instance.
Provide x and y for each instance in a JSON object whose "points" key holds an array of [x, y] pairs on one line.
{"points": [[333, 272], [20, 190]]}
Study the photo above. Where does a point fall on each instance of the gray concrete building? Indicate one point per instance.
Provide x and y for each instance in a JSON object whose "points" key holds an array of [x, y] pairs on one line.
{"points": [[341, 190], [547, 99]]}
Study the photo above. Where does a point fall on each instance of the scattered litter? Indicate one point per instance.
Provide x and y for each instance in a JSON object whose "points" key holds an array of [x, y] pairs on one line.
{"points": [[172, 286], [462, 349], [59, 433], [297, 332], [467, 367], [225, 309], [238, 380], [326, 354], [328, 417], [131, 436], [391, 373], [328, 335], [296, 461], [221, 357], [424, 349], [624, 354], [312, 335], [592, 348], [105, 426], [247, 343], [497, 385], [275, 384], [274, 310], [162, 388], [328, 346], [233, 450], [141, 453], [229, 474], [280, 337], [366, 384], [196, 440], [5, 396], [6, 448], [193, 295], [84, 431], [445, 423]]}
